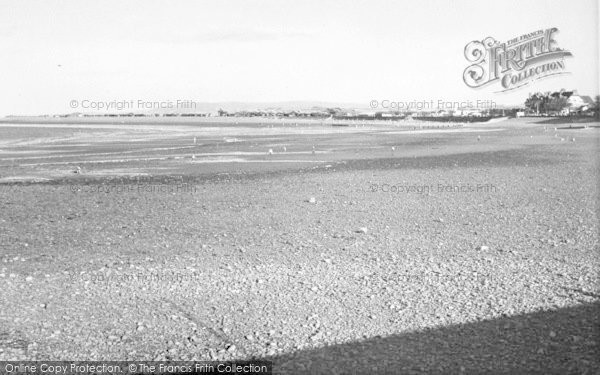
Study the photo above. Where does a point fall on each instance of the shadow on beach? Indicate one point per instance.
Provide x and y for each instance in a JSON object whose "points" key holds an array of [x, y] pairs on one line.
{"points": [[560, 341]]}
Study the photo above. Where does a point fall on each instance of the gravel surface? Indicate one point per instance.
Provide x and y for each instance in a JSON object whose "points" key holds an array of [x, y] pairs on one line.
{"points": [[322, 269]]}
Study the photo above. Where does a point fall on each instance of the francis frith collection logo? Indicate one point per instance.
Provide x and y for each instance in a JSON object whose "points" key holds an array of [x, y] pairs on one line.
{"points": [[514, 63]]}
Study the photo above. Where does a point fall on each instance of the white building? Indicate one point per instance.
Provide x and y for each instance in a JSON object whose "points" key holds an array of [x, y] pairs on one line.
{"points": [[578, 103]]}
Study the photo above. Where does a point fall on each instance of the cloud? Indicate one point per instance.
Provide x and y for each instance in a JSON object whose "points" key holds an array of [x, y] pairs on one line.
{"points": [[5, 31], [235, 36]]}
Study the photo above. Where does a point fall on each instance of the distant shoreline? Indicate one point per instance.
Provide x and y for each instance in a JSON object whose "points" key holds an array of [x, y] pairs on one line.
{"points": [[234, 121]]}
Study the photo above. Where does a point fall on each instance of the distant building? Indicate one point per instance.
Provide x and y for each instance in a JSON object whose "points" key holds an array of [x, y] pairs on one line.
{"points": [[367, 114], [467, 112], [578, 104]]}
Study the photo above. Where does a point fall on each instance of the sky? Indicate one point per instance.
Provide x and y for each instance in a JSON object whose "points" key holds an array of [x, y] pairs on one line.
{"points": [[54, 52]]}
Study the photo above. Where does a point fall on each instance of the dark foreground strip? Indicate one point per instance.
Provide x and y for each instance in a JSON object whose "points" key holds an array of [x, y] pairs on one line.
{"points": [[134, 367]]}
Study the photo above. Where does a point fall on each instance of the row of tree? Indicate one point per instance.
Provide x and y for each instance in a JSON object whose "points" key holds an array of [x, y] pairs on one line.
{"points": [[548, 101]]}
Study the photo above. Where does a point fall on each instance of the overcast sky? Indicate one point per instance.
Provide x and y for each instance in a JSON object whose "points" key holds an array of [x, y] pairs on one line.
{"points": [[257, 51]]}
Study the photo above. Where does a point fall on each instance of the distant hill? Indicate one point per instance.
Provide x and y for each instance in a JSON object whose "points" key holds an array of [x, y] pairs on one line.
{"points": [[231, 107], [204, 107]]}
